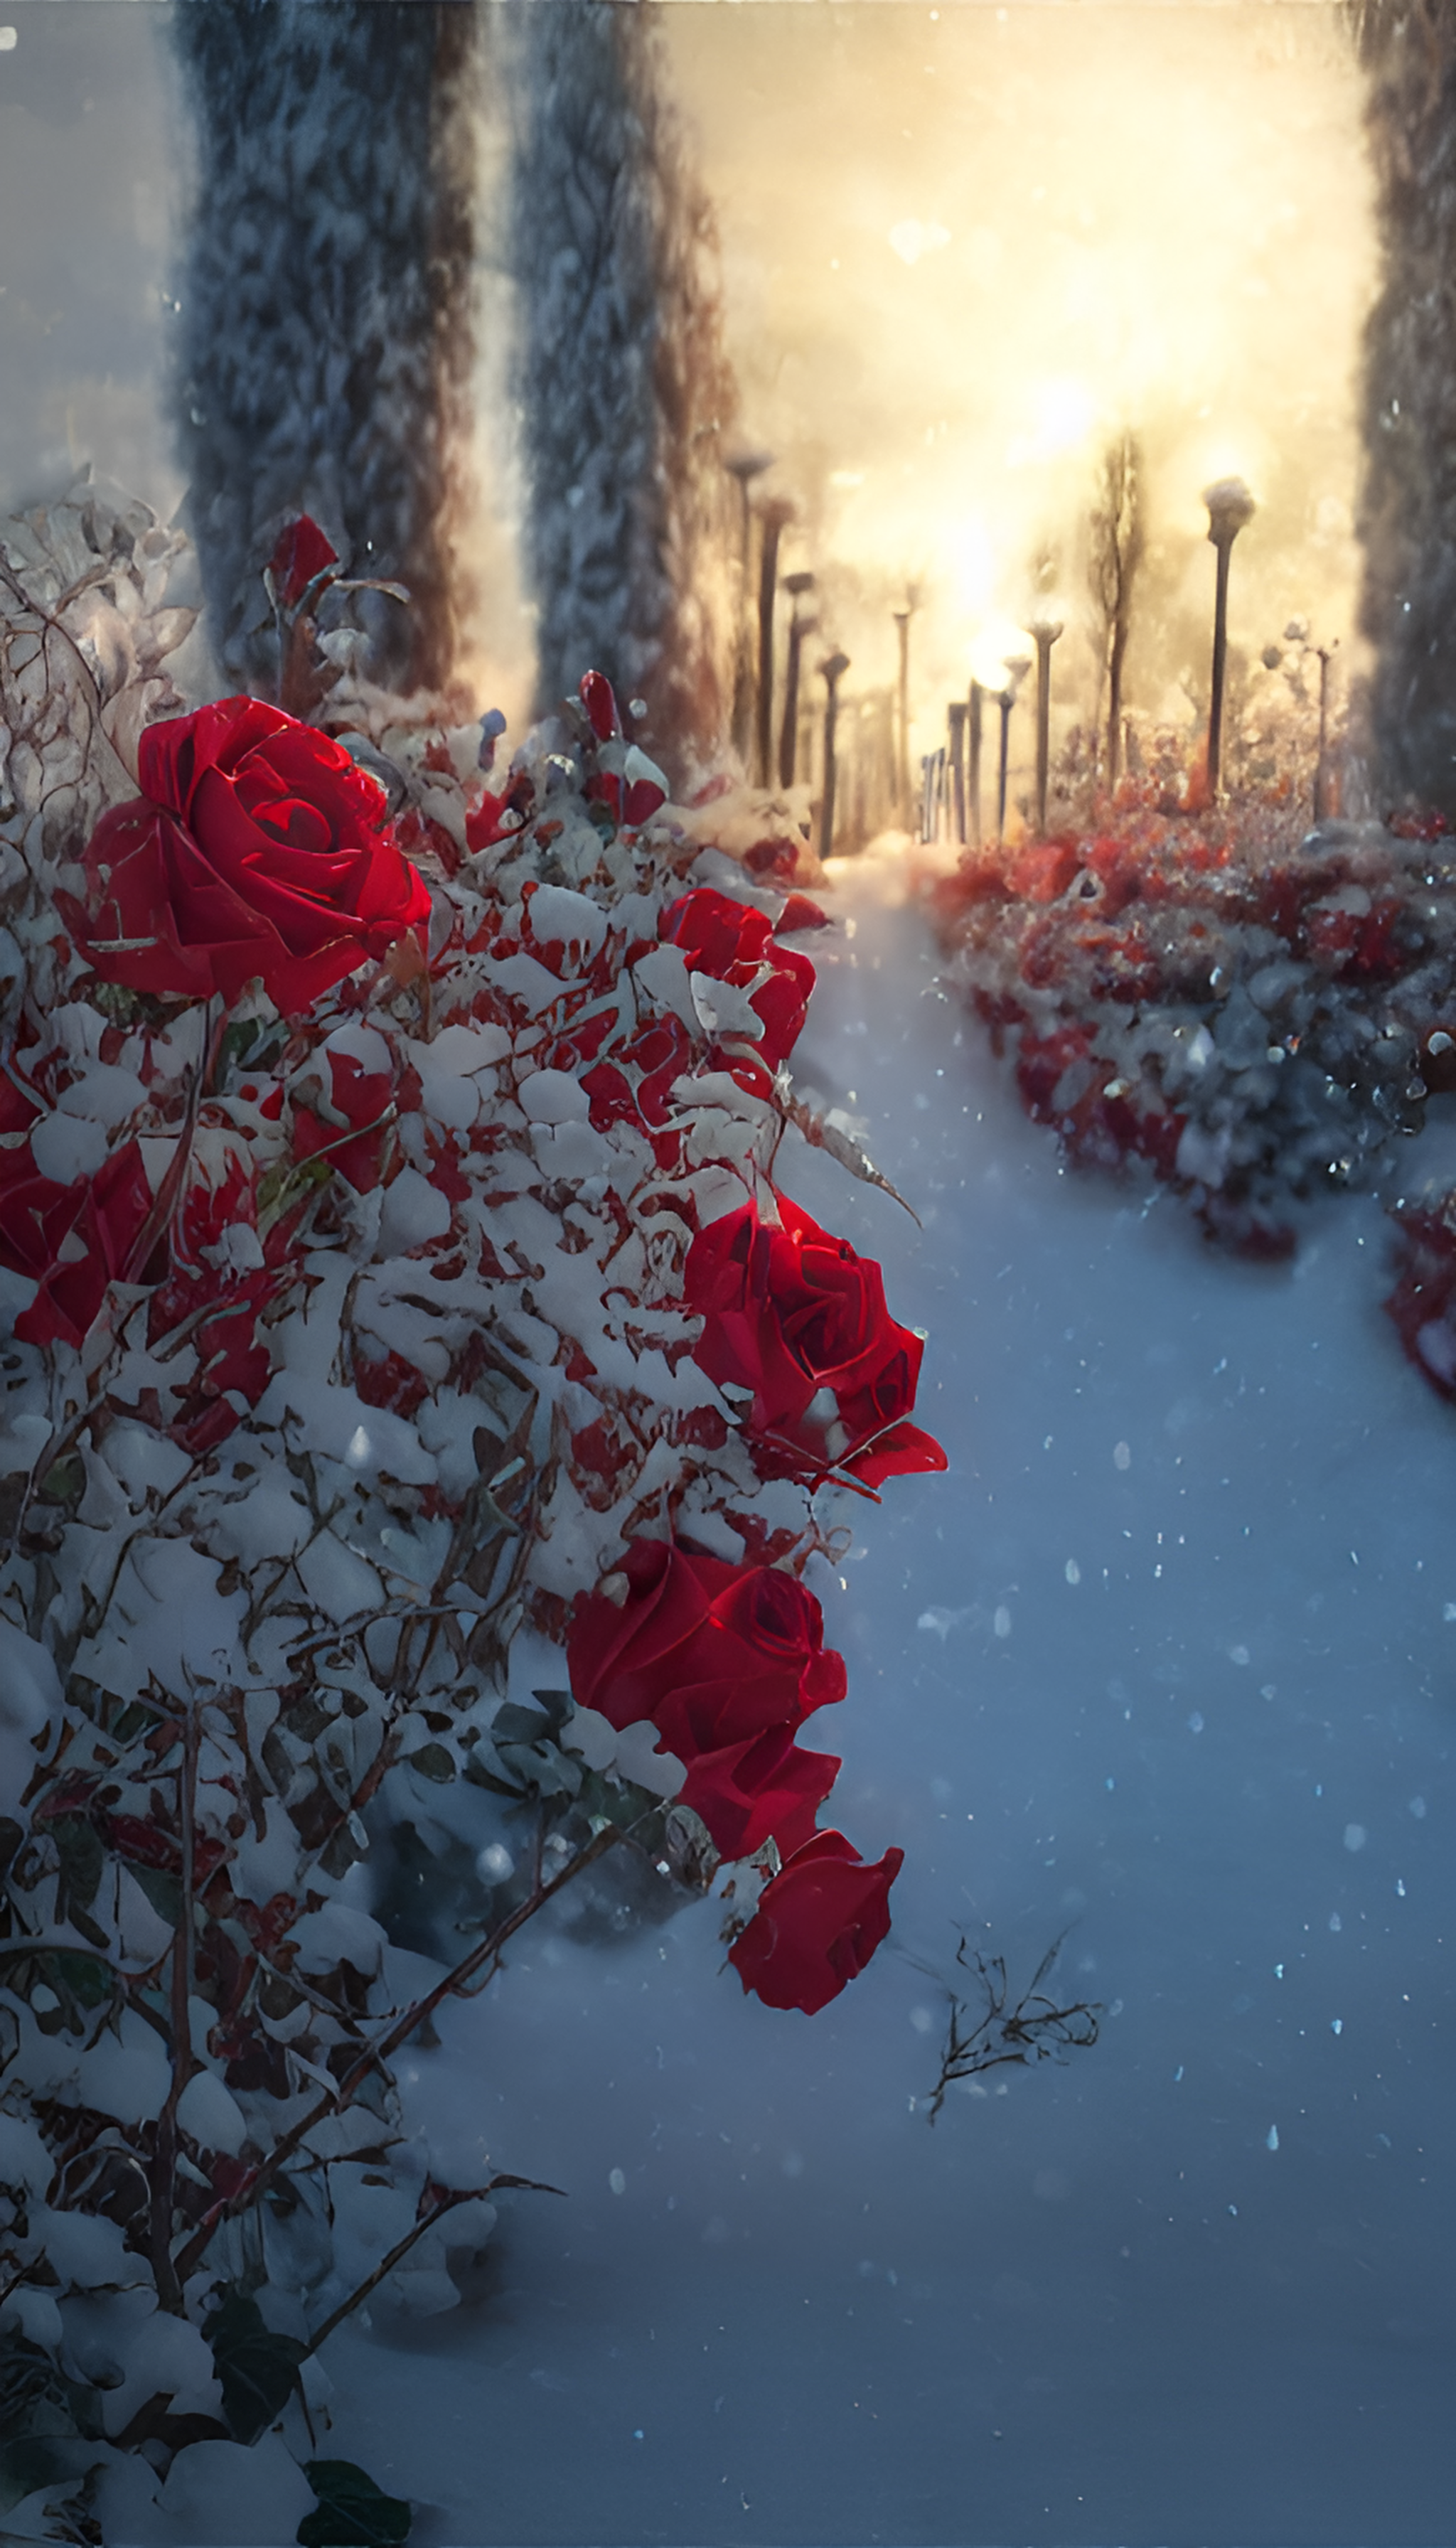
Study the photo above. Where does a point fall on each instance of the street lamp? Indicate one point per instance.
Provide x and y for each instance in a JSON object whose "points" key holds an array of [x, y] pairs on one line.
{"points": [[774, 513], [956, 714], [745, 466], [1229, 505], [903, 619], [1043, 632], [833, 667], [1017, 668], [800, 626]]}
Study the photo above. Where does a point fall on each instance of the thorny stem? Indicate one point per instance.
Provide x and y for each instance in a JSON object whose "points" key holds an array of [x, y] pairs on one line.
{"points": [[376, 2054], [164, 2160], [168, 1193]]}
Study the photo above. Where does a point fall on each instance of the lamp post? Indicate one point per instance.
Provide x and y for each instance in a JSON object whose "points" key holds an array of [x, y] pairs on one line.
{"points": [[1229, 505], [1017, 668], [745, 466], [974, 720], [799, 627], [773, 514], [902, 630], [957, 715], [1043, 632], [832, 668]]}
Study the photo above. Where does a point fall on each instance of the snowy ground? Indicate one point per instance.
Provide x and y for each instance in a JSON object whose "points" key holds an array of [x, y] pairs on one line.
{"points": [[1103, 2304]]}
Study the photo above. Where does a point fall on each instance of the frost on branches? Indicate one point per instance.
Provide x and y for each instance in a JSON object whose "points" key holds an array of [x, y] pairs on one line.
{"points": [[392, 1260]]}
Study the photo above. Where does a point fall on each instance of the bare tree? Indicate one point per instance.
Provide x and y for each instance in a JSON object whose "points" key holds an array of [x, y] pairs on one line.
{"points": [[1118, 541]]}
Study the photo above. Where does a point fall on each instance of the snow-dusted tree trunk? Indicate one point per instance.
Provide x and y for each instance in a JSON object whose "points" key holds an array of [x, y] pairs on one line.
{"points": [[325, 332], [625, 394], [1409, 514]]}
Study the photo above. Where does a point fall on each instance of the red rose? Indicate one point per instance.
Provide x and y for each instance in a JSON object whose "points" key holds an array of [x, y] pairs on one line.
{"points": [[72, 1240], [713, 1654], [735, 944], [796, 1317], [257, 848], [765, 1789], [817, 1924]]}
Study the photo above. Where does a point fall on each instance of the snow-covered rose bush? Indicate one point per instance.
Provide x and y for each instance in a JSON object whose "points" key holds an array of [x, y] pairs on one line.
{"points": [[362, 1109]]}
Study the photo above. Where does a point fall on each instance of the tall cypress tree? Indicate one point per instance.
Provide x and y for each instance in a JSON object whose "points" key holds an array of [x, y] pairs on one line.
{"points": [[1409, 509], [625, 391], [324, 334]]}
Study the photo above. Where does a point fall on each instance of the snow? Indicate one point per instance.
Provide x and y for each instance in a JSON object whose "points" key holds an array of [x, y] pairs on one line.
{"points": [[217, 2493], [209, 2112], [67, 1147], [415, 1211], [1051, 2315], [29, 1688]]}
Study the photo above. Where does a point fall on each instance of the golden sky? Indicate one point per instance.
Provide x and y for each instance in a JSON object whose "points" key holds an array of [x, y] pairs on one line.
{"points": [[961, 245]]}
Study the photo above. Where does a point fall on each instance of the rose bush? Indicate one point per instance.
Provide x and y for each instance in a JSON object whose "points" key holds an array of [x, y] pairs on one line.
{"points": [[257, 850], [349, 1345], [795, 1316], [817, 1924]]}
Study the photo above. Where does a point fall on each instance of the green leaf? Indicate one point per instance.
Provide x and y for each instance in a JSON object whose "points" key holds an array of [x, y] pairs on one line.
{"points": [[432, 1761], [65, 1482], [559, 1705], [515, 1724], [87, 1980], [634, 1809], [352, 2511], [45, 2460], [286, 1183], [250, 1043], [162, 1890], [258, 2369], [50, 2423], [542, 1770]]}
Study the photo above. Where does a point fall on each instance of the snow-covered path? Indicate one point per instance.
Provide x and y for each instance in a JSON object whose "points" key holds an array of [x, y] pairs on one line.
{"points": [[1165, 1662]]}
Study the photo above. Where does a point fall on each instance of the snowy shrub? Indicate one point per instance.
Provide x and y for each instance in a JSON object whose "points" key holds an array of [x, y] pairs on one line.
{"points": [[1251, 1014], [362, 1111]]}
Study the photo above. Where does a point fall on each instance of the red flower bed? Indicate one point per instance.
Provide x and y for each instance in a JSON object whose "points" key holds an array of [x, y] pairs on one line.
{"points": [[1246, 1011]]}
